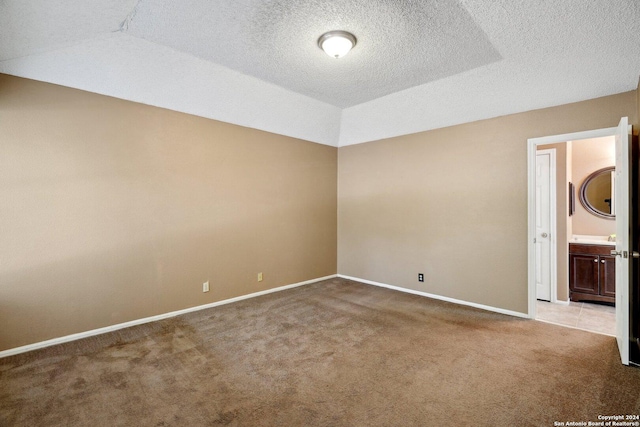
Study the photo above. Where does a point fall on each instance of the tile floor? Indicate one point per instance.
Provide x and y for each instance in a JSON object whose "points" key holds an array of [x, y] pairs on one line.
{"points": [[583, 315]]}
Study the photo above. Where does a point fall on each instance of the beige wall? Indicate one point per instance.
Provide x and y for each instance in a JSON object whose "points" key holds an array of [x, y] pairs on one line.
{"points": [[562, 218], [112, 211], [452, 203], [590, 155]]}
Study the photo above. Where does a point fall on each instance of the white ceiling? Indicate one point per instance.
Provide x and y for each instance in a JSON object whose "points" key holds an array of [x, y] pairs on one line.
{"points": [[401, 43], [418, 64]]}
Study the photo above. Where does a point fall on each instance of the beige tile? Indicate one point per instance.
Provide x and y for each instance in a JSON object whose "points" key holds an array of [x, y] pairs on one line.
{"points": [[558, 313], [599, 308], [560, 319], [592, 317], [597, 321], [548, 307]]}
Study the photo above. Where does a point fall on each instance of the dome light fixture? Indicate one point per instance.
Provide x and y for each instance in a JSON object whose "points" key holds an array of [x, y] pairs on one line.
{"points": [[337, 43]]}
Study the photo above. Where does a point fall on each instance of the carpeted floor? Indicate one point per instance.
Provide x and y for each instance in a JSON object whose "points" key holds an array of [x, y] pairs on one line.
{"points": [[335, 353]]}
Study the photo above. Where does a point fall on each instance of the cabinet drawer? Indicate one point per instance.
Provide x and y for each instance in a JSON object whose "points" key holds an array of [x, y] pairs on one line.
{"points": [[577, 248]]}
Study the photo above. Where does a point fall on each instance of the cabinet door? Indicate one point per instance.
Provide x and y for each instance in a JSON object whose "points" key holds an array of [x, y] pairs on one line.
{"points": [[583, 274], [608, 276]]}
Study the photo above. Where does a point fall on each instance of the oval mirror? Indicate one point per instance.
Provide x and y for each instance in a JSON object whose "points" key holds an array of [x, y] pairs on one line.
{"points": [[596, 193]]}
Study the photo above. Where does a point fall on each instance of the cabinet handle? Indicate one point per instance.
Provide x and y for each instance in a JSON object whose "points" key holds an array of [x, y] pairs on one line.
{"points": [[595, 260], [602, 261]]}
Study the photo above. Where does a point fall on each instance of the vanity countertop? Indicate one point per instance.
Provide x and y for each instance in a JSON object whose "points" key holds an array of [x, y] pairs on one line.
{"points": [[591, 240]]}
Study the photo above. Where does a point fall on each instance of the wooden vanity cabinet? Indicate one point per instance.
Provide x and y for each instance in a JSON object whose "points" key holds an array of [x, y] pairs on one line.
{"points": [[592, 273]]}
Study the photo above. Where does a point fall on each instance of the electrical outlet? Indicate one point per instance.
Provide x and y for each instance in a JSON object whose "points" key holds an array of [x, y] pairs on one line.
{"points": [[259, 277], [420, 277], [205, 286]]}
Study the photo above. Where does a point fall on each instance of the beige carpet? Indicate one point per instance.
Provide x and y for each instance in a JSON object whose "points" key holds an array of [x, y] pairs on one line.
{"points": [[335, 353]]}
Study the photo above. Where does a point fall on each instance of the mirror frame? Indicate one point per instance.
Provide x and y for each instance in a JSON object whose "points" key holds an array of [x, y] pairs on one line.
{"points": [[583, 193]]}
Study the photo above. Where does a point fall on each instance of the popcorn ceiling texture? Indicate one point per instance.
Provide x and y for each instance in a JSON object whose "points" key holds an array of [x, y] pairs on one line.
{"points": [[30, 27], [418, 65], [554, 53], [400, 43]]}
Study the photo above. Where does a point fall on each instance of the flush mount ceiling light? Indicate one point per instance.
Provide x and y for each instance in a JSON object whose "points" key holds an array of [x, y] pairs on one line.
{"points": [[337, 43]]}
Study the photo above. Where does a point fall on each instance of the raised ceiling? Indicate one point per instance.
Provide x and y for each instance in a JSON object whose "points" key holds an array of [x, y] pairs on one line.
{"points": [[401, 43], [418, 64]]}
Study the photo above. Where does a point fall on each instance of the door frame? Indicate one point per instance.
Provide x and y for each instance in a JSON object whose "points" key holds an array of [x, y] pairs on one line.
{"points": [[553, 226], [532, 144]]}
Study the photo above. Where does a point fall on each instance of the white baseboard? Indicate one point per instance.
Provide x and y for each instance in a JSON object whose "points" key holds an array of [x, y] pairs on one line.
{"points": [[93, 332], [559, 301], [438, 297]]}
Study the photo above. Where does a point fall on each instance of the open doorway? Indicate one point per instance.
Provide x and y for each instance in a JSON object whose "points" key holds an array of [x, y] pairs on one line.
{"points": [[575, 232], [627, 235]]}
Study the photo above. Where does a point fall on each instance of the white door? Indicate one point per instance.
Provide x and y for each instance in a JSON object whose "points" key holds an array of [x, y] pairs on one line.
{"points": [[623, 241], [543, 224]]}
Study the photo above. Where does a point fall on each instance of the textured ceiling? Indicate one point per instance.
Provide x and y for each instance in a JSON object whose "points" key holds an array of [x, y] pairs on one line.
{"points": [[401, 43], [418, 65]]}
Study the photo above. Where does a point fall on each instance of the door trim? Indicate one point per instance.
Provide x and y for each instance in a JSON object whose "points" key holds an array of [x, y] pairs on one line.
{"points": [[553, 226], [532, 144]]}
